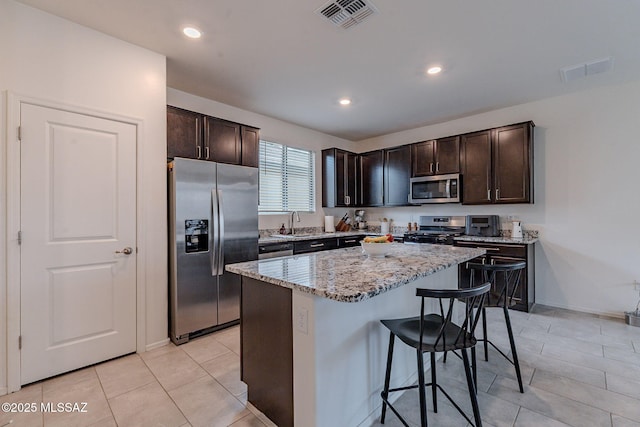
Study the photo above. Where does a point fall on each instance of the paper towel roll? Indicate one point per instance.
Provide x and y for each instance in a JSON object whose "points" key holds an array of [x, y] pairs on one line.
{"points": [[329, 224]]}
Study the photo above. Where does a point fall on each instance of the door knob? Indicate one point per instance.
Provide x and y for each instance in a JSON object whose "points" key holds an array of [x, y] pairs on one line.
{"points": [[126, 251]]}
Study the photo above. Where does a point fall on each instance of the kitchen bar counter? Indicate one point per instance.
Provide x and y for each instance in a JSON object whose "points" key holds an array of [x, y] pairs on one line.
{"points": [[300, 337], [348, 275]]}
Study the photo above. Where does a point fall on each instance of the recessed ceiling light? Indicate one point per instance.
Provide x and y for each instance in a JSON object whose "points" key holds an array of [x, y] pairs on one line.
{"points": [[191, 32], [345, 101], [434, 70]]}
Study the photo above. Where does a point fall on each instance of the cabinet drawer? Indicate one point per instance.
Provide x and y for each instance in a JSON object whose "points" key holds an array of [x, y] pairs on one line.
{"points": [[514, 250], [346, 242], [314, 245]]}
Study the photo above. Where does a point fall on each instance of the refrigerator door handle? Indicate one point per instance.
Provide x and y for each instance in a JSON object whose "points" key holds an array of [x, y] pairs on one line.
{"points": [[213, 237], [220, 233]]}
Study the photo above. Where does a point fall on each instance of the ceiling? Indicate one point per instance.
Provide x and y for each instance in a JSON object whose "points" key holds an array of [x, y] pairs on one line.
{"points": [[281, 59]]}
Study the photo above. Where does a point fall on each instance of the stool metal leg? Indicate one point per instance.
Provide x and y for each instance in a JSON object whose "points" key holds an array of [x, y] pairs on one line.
{"points": [[474, 368], [421, 391], [516, 363], [484, 332], [472, 389], [387, 377], [434, 384]]}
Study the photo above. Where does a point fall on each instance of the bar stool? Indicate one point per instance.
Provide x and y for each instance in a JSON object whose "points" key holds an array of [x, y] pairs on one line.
{"points": [[437, 332], [504, 279]]}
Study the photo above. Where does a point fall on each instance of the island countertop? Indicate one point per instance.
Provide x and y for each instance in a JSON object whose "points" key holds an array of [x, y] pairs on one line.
{"points": [[348, 275]]}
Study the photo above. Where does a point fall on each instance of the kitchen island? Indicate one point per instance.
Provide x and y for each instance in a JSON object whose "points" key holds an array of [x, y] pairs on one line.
{"points": [[313, 349]]}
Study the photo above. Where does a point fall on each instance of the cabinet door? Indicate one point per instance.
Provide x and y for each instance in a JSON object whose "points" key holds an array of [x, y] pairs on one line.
{"points": [[447, 155], [250, 146], [397, 172], [345, 178], [184, 133], [476, 167], [371, 178], [512, 151], [423, 158], [339, 168], [222, 141]]}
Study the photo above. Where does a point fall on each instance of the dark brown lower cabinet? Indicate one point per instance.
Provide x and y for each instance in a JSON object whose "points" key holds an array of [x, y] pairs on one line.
{"points": [[266, 348], [501, 253]]}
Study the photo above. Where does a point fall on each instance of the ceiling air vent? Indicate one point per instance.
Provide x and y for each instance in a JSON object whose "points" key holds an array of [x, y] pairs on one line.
{"points": [[347, 13], [578, 71]]}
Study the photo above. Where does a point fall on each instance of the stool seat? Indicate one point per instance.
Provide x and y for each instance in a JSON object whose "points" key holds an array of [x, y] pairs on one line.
{"points": [[408, 331], [432, 333]]}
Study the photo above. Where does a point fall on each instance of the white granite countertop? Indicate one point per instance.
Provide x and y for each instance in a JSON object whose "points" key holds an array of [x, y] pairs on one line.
{"points": [[502, 239], [348, 275]]}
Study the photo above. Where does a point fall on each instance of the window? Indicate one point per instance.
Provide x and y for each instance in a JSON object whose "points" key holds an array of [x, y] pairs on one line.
{"points": [[286, 179]]}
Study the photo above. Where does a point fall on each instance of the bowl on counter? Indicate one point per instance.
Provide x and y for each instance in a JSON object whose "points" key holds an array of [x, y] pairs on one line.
{"points": [[376, 250]]}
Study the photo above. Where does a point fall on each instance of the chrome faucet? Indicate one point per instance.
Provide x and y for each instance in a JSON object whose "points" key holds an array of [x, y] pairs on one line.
{"points": [[292, 228]]}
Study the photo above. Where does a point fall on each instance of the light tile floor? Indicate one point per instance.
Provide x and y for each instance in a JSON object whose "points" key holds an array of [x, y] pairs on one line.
{"points": [[578, 369]]}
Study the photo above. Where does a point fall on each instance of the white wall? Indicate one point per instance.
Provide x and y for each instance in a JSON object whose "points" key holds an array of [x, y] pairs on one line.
{"points": [[53, 59], [587, 201], [270, 130]]}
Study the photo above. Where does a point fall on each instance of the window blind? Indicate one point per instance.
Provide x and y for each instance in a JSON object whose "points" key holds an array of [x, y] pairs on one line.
{"points": [[286, 178]]}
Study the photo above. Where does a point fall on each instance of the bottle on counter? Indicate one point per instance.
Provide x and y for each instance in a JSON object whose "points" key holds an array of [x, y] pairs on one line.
{"points": [[282, 229]]}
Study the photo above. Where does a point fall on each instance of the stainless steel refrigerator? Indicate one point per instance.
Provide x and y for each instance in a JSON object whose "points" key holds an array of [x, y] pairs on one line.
{"points": [[213, 221]]}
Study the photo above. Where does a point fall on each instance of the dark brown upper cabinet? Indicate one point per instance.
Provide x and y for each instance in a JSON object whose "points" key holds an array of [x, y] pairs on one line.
{"points": [[372, 178], [497, 165], [184, 133], [512, 163], [339, 178], [250, 146], [197, 136], [436, 157], [397, 172], [222, 141]]}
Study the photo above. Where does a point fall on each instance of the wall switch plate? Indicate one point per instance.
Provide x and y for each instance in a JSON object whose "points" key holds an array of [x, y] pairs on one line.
{"points": [[302, 320]]}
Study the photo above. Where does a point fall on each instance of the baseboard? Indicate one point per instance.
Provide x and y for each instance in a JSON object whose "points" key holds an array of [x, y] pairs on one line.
{"points": [[157, 344], [616, 315]]}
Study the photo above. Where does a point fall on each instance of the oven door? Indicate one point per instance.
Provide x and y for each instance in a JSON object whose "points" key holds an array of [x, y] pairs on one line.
{"points": [[435, 189]]}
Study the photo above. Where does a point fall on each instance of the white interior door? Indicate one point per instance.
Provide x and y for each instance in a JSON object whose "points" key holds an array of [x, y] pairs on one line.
{"points": [[78, 214]]}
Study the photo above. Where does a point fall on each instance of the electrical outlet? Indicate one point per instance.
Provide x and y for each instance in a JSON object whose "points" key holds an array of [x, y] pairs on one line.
{"points": [[302, 320]]}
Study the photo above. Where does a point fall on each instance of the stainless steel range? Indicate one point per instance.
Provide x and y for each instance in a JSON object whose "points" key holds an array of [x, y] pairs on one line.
{"points": [[437, 229]]}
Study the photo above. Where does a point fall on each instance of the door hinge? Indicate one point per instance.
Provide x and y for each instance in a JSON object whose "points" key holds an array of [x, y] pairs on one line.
{"points": [[20, 342], [20, 237], [19, 133]]}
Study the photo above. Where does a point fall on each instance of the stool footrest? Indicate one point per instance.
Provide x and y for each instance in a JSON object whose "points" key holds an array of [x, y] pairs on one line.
{"points": [[499, 351]]}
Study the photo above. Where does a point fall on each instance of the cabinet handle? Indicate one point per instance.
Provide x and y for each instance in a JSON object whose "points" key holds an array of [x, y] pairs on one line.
{"points": [[430, 167], [199, 152], [437, 166], [350, 241], [489, 194], [206, 153], [347, 200], [487, 249], [497, 194], [317, 245]]}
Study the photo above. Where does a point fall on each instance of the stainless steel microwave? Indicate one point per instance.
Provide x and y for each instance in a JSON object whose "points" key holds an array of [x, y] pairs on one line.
{"points": [[435, 189]]}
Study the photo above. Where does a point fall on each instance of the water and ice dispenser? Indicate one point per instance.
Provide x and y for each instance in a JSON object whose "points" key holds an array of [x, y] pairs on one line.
{"points": [[196, 235]]}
